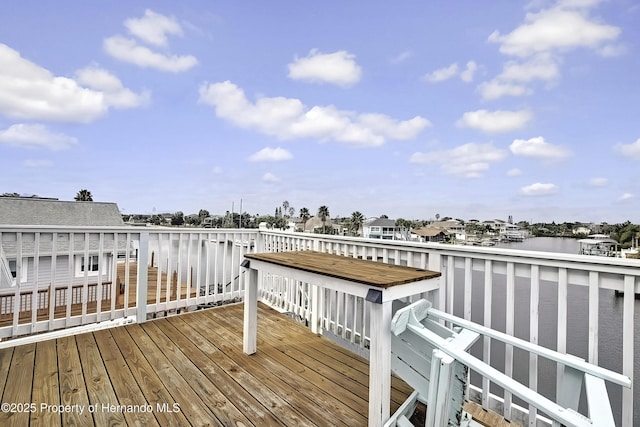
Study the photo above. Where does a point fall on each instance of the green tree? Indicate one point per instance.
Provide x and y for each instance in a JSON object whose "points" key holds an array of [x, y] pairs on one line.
{"points": [[84, 196], [405, 227], [10, 195], [202, 214], [177, 218], [323, 214], [304, 216], [285, 209], [356, 222]]}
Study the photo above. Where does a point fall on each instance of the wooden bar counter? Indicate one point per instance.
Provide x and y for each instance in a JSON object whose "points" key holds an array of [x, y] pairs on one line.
{"points": [[379, 283]]}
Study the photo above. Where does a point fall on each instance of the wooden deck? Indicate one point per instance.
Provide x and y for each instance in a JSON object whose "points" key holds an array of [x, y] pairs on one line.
{"points": [[188, 370], [152, 285], [60, 311]]}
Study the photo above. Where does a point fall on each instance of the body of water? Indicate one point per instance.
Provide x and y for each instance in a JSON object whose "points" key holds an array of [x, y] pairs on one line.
{"points": [[610, 313]]}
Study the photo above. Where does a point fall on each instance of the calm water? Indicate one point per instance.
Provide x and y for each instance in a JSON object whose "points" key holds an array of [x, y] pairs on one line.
{"points": [[610, 312]]}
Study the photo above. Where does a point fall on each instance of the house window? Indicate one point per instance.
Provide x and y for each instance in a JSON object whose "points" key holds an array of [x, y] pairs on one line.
{"points": [[13, 267], [90, 264]]}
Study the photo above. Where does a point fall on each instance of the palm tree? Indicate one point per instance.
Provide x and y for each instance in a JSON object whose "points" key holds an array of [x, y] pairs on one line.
{"points": [[323, 213], [84, 196], [356, 222], [405, 227], [304, 216]]}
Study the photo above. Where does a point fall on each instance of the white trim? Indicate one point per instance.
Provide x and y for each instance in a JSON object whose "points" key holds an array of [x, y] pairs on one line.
{"points": [[67, 332]]}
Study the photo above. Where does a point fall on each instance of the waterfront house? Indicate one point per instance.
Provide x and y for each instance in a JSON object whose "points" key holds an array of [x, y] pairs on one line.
{"points": [[453, 227], [315, 225], [381, 228], [430, 234]]}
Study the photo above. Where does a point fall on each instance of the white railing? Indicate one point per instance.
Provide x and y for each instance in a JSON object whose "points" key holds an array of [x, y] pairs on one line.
{"points": [[146, 271], [422, 340], [481, 284], [75, 276]]}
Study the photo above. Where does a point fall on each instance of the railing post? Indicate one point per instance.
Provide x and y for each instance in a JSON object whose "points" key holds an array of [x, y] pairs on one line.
{"points": [[380, 363], [435, 264], [260, 240], [250, 323], [143, 272], [315, 310], [627, 348]]}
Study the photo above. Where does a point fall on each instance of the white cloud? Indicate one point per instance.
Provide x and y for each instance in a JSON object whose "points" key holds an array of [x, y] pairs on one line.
{"points": [[598, 182], [115, 93], [539, 68], [269, 154], [288, 118], [128, 50], [269, 177], [612, 51], [495, 121], [626, 196], [28, 91], [541, 41], [516, 74], [539, 189], [538, 147], [32, 163], [629, 150], [514, 172], [35, 136], [401, 57], [339, 68], [469, 72], [451, 71], [563, 27], [468, 160], [442, 74], [495, 89], [153, 27]]}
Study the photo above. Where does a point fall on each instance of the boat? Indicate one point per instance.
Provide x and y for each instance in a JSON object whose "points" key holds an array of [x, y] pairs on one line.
{"points": [[513, 236], [599, 245]]}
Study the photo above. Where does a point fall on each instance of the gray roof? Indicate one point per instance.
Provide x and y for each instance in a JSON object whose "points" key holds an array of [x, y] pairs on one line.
{"points": [[29, 211], [382, 222]]}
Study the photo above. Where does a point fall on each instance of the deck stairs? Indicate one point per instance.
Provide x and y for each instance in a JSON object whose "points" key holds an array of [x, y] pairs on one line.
{"points": [[434, 360]]}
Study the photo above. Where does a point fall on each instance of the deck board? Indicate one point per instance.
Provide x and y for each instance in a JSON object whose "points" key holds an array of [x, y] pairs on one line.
{"points": [[128, 359], [72, 386], [194, 360], [19, 380], [195, 410], [97, 380], [228, 388], [45, 374]]}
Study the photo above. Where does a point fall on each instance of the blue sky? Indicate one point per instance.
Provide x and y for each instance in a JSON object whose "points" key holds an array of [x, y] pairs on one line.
{"points": [[465, 109]]}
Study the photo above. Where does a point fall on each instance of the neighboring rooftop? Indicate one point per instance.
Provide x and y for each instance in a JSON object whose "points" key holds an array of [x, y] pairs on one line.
{"points": [[382, 222], [32, 211]]}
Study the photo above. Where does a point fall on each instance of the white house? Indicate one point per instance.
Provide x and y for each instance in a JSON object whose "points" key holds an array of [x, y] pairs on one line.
{"points": [[381, 228], [82, 258]]}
